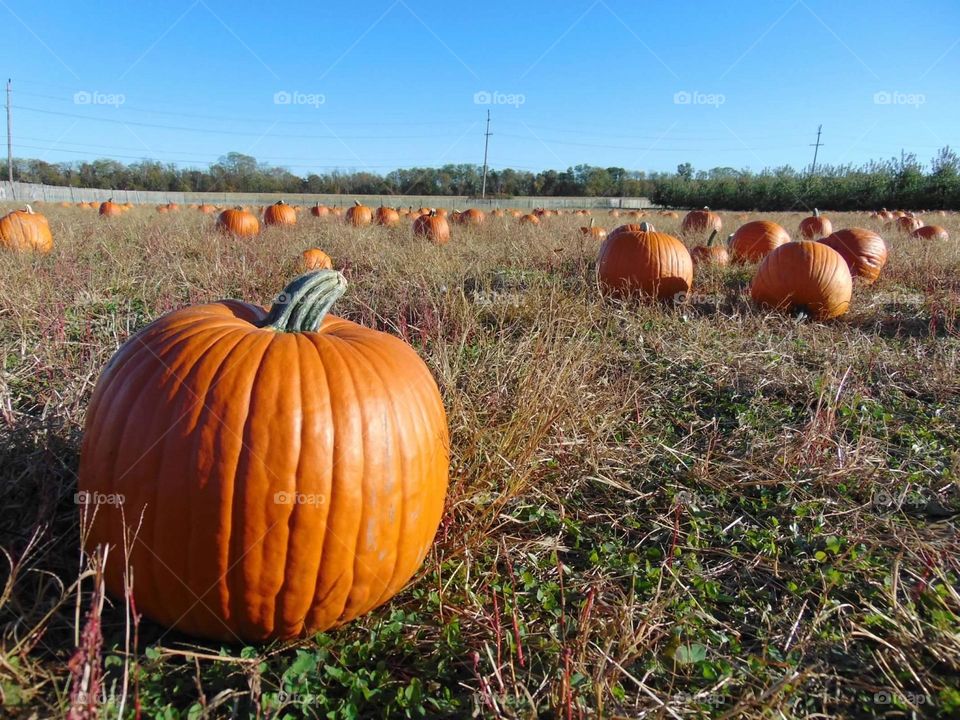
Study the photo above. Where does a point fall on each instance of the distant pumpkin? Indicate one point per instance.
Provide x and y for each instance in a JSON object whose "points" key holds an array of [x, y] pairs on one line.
{"points": [[644, 263], [931, 232], [109, 208], [359, 215], [863, 250], [387, 216], [238, 222], [279, 214], [700, 222], [754, 240], [316, 259], [816, 226], [432, 226]]}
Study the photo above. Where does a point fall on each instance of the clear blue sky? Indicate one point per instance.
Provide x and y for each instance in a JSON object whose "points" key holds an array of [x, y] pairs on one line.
{"points": [[394, 83]]}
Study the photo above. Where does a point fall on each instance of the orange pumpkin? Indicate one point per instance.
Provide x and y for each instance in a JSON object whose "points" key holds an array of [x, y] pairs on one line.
{"points": [[863, 250], [644, 262], [907, 224], [699, 222], [110, 209], [804, 275], [238, 222], [710, 254], [931, 232], [471, 216], [316, 259], [593, 230], [25, 230], [432, 226], [754, 240], [206, 209], [279, 214], [815, 226], [529, 219], [497, 213], [287, 471], [387, 216], [319, 210], [359, 215]]}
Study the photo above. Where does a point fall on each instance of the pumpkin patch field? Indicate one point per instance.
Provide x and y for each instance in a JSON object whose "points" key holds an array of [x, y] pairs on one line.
{"points": [[559, 469]]}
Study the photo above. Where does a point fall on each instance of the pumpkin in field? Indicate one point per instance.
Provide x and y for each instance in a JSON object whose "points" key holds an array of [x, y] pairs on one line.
{"points": [[281, 472], [700, 222], [238, 222], [497, 213], [712, 253], [593, 231], [754, 240], [644, 262], [804, 275], [471, 216], [614, 213], [109, 208], [529, 219], [387, 216], [815, 226], [863, 250], [316, 259], [432, 226], [279, 214], [319, 210], [906, 224], [359, 215], [173, 207], [206, 209], [24, 231], [931, 232]]}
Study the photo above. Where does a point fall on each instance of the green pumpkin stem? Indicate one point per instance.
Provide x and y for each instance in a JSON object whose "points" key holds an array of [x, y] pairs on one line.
{"points": [[305, 302], [712, 237]]}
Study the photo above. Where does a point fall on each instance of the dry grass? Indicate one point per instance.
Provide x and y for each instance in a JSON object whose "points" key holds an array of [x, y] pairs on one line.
{"points": [[653, 511]]}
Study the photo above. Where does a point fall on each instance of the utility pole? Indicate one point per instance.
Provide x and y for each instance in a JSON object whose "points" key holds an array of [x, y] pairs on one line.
{"points": [[816, 149], [486, 147], [10, 140]]}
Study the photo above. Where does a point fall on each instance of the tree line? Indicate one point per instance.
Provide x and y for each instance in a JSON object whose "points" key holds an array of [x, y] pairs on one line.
{"points": [[902, 182]]}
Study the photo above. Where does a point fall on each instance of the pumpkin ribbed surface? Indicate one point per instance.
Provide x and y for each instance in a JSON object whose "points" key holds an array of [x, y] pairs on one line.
{"points": [[804, 275], [863, 250], [283, 482], [649, 263]]}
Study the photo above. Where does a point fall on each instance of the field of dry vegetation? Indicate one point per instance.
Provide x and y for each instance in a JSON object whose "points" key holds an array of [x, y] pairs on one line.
{"points": [[704, 510]]}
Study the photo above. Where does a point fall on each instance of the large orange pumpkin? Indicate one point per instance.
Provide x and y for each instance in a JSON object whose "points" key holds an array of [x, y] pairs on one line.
{"points": [[753, 240], [815, 226], [316, 259], [109, 208], [863, 250], [238, 222], [25, 230], [432, 226], [699, 222], [280, 214], [275, 474], [359, 215], [644, 262], [931, 232], [804, 275]]}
